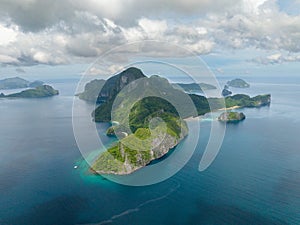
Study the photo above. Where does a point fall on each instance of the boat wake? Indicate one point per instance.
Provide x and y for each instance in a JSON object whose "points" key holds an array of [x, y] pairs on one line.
{"points": [[136, 209]]}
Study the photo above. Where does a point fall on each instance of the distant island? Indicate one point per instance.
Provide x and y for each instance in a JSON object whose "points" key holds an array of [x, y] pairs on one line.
{"points": [[38, 92], [245, 101], [17, 82], [194, 87], [35, 84], [231, 117], [121, 159], [238, 83]]}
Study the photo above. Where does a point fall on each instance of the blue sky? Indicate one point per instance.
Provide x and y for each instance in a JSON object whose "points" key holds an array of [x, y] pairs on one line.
{"points": [[234, 37]]}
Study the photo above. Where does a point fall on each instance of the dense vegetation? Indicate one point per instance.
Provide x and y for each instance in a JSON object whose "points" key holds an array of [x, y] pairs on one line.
{"points": [[113, 160], [150, 107], [202, 104], [246, 101], [137, 149], [152, 86]]}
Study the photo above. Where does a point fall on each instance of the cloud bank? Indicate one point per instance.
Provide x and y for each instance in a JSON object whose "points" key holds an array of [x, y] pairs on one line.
{"points": [[61, 32]]}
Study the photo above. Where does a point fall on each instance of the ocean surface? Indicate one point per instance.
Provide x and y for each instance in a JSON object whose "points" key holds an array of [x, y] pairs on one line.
{"points": [[255, 178]]}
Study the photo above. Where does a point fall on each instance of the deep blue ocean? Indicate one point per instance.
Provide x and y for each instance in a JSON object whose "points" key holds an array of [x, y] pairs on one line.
{"points": [[255, 178]]}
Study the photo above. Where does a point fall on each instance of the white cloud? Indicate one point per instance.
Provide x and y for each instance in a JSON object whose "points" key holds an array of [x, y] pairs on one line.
{"points": [[7, 36], [261, 29], [153, 28], [59, 32], [277, 58], [7, 59], [274, 57], [105, 71], [49, 12], [94, 71], [252, 6], [220, 70]]}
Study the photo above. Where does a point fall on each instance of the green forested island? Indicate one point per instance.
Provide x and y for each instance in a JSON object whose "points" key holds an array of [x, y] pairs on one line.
{"points": [[242, 101], [38, 92], [137, 146], [17, 82], [140, 144], [238, 83]]}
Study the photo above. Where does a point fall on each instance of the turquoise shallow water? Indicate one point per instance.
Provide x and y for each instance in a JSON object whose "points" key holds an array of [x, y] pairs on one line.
{"points": [[255, 178]]}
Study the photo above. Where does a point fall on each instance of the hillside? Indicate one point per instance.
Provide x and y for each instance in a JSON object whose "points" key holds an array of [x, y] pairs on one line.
{"points": [[91, 91], [144, 139]]}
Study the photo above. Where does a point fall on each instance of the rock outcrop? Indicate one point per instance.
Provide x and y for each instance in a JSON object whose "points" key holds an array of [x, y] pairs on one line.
{"points": [[231, 117], [226, 92]]}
